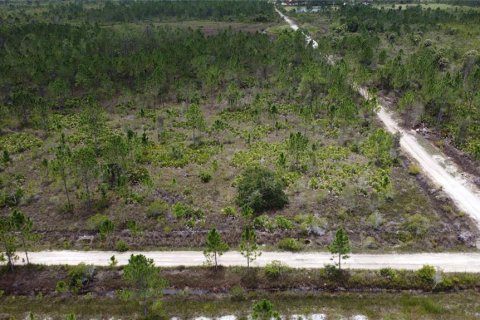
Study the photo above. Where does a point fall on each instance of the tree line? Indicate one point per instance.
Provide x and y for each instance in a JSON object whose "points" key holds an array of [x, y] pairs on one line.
{"points": [[125, 11]]}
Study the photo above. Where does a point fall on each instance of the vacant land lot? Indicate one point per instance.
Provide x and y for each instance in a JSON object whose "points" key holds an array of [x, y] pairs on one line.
{"points": [[143, 132]]}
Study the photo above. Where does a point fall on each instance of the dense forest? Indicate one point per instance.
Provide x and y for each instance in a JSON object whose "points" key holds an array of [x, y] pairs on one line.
{"points": [[135, 11], [256, 11]]}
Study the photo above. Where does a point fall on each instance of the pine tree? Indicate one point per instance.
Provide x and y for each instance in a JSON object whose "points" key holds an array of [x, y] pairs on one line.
{"points": [[23, 225], [214, 246], [195, 119], [248, 245], [340, 246]]}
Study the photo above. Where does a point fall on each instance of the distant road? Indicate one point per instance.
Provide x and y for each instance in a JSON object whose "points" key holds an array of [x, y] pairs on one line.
{"points": [[441, 170], [448, 262]]}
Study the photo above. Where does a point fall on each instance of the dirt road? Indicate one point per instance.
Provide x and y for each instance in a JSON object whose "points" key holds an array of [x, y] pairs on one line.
{"points": [[442, 171], [448, 262]]}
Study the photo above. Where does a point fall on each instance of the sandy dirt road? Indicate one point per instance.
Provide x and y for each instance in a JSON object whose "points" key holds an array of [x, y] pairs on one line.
{"points": [[448, 262], [441, 170]]}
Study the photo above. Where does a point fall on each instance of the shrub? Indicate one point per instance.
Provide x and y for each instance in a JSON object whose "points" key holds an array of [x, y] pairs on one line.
{"points": [[157, 209], [388, 273], [446, 284], [138, 174], [205, 176], [134, 227], [229, 211], [283, 223], [121, 246], [414, 169], [375, 219], [71, 316], [61, 286], [332, 272], [275, 270], [95, 222], [106, 227], [184, 211], [264, 309], [417, 224], [237, 293], [259, 189], [263, 223], [289, 244], [426, 274], [79, 276], [123, 294]]}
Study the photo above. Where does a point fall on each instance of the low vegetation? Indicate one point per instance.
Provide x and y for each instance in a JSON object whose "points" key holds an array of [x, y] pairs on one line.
{"points": [[165, 147], [59, 286]]}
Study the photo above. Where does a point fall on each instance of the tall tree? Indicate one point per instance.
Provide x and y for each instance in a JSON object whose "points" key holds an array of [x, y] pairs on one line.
{"points": [[23, 225], [86, 168], [42, 112], [297, 143], [23, 102], [8, 239], [233, 95], [340, 246], [116, 157], [195, 119], [61, 166], [93, 120], [214, 246], [248, 245], [141, 273]]}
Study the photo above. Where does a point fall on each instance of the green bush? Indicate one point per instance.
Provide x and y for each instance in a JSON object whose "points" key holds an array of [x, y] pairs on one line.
{"points": [[229, 211], [121, 246], [417, 225], [332, 272], [426, 274], [283, 223], [259, 189], [264, 309], [205, 176], [263, 222], [61, 287], [388, 273], [184, 211], [289, 244], [275, 270], [79, 276], [446, 284], [237, 293], [134, 227], [106, 227], [138, 174], [71, 316], [95, 222], [157, 209], [414, 169]]}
